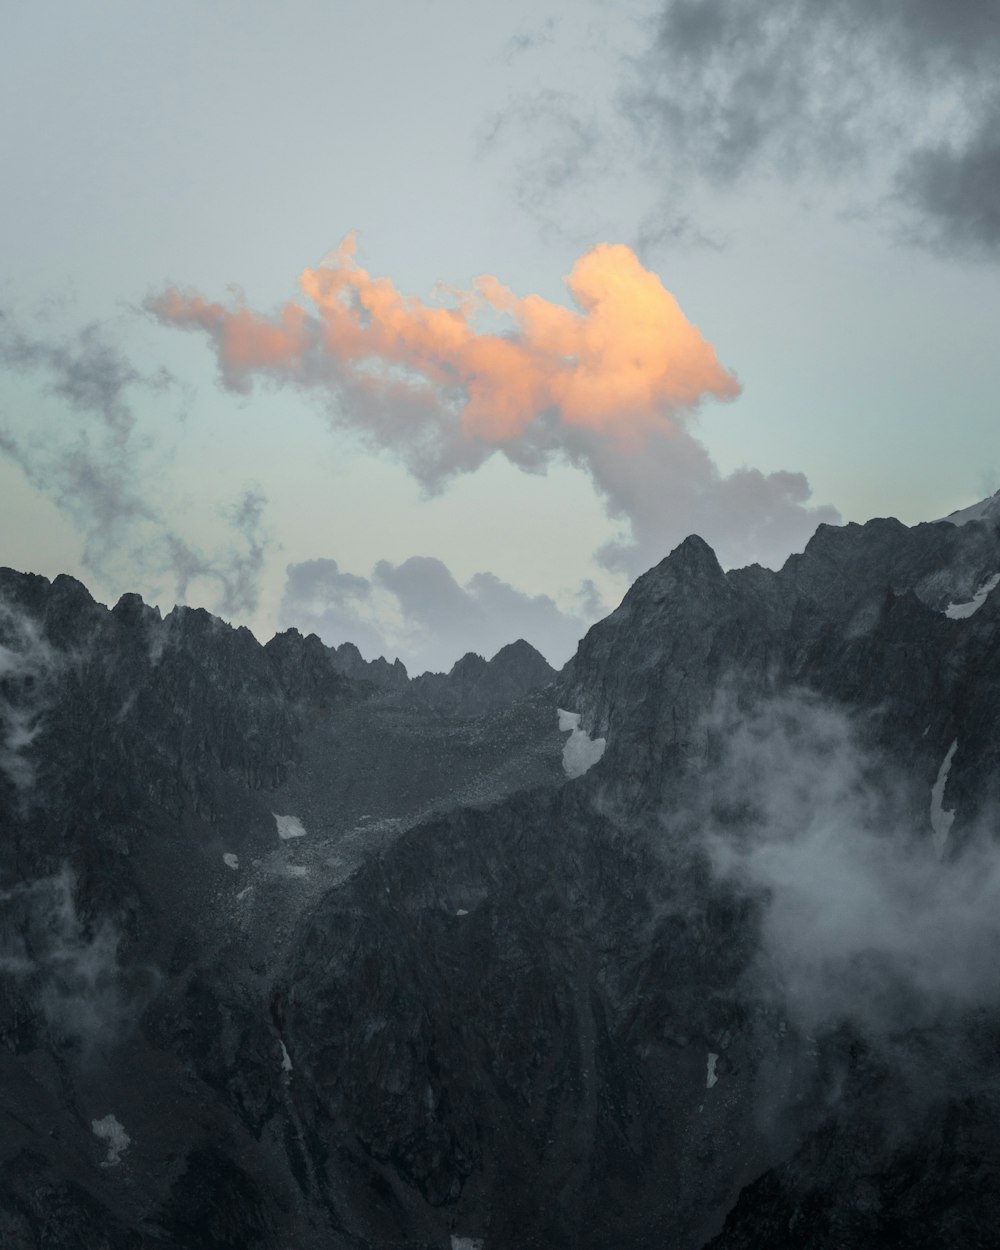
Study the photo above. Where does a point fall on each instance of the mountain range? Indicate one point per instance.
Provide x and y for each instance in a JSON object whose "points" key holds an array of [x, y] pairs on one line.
{"points": [[693, 943]]}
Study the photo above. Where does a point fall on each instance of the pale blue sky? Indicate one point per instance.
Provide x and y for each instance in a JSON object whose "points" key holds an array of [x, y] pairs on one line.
{"points": [[213, 144]]}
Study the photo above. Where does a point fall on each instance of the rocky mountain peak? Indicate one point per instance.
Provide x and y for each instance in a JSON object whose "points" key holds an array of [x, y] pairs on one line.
{"points": [[692, 567], [468, 667], [521, 661], [348, 659], [131, 610], [475, 685]]}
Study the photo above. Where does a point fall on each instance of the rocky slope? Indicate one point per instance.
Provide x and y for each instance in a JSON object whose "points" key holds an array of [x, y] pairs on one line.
{"points": [[732, 986]]}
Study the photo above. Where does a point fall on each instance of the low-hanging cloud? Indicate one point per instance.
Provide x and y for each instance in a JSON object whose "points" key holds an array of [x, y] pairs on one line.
{"points": [[609, 385], [27, 662], [861, 922], [72, 965], [904, 91], [418, 611]]}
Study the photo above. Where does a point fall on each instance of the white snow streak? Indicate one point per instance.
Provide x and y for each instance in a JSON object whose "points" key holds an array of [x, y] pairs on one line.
{"points": [[941, 819], [985, 510], [231, 860], [711, 1076], [959, 611]]}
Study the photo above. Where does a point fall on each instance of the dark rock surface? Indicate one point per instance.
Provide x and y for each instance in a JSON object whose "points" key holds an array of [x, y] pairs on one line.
{"points": [[472, 687], [348, 660], [297, 951]]}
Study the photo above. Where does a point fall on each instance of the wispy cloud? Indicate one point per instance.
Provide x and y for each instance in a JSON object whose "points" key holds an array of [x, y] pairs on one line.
{"points": [[84, 370], [530, 38], [556, 145], [99, 465]]}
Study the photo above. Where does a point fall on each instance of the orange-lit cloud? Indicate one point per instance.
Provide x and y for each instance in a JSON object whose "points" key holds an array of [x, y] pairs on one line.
{"points": [[604, 384], [618, 364]]}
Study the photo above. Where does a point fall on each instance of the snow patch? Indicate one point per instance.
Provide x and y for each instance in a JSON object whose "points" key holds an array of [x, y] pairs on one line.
{"points": [[467, 1243], [981, 511], [941, 818], [581, 752], [111, 1130], [289, 827], [712, 1075], [959, 611], [231, 860], [461, 912], [286, 1058]]}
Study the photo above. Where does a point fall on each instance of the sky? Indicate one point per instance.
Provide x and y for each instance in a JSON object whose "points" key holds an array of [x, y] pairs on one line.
{"points": [[431, 324]]}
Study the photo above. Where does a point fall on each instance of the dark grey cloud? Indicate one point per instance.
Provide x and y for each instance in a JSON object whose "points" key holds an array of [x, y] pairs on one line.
{"points": [[417, 611], [535, 616], [429, 596], [956, 190], [905, 91]]}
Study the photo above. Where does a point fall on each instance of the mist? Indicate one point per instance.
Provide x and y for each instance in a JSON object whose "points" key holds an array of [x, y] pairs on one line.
{"points": [[861, 921], [70, 965], [26, 660]]}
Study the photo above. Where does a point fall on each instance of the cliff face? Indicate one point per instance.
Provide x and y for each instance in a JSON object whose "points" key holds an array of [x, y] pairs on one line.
{"points": [[291, 956]]}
